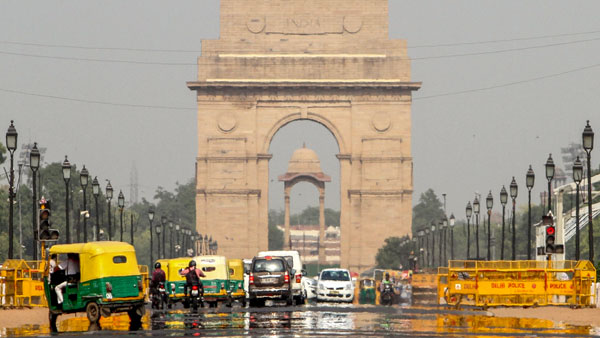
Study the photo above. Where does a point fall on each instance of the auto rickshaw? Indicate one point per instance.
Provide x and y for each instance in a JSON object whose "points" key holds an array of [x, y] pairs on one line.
{"points": [[216, 282], [98, 278], [236, 280], [175, 282], [367, 294]]}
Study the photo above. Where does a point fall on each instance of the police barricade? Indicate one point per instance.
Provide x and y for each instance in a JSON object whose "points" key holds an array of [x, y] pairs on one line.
{"points": [[520, 283], [145, 280], [442, 285], [21, 283]]}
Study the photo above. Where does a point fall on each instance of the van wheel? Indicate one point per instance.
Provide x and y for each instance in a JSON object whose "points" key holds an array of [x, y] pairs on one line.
{"points": [[52, 317], [92, 311]]}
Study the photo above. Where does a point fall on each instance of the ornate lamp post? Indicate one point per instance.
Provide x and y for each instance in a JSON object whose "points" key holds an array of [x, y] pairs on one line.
{"points": [[150, 219], [158, 230], [427, 251], [121, 204], [109, 196], [96, 193], [588, 145], [550, 176], [577, 177], [171, 239], [432, 244], [66, 171], [163, 222], [529, 181], [34, 164], [11, 145], [469, 212], [452, 220], [445, 224], [503, 200], [83, 180], [476, 211], [177, 230], [514, 189], [441, 246], [489, 203]]}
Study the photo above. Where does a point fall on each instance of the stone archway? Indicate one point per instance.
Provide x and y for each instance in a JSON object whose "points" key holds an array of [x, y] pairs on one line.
{"points": [[278, 61]]}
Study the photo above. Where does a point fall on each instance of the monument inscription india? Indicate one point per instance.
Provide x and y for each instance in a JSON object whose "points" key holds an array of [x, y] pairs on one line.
{"points": [[329, 61]]}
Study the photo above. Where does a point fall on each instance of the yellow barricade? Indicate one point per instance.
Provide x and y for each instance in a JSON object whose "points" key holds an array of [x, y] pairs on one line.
{"points": [[517, 283], [21, 283]]}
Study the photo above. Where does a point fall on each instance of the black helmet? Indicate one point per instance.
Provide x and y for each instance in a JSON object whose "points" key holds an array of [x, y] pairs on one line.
{"points": [[387, 275], [192, 263], [157, 265]]}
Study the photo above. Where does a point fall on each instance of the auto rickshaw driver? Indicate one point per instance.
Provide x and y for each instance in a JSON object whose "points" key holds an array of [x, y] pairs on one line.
{"points": [[71, 268]]}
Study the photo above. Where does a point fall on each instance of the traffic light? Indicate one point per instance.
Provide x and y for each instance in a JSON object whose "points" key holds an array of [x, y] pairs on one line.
{"points": [[44, 231], [551, 246]]}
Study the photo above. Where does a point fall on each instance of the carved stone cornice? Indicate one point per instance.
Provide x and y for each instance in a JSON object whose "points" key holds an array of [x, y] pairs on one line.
{"points": [[228, 192], [361, 192]]}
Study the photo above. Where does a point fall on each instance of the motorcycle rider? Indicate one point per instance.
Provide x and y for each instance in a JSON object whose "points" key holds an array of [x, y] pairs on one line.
{"points": [[192, 277], [158, 276], [385, 281]]}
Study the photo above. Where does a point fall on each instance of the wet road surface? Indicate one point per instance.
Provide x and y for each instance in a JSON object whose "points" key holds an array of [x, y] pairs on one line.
{"points": [[319, 320]]}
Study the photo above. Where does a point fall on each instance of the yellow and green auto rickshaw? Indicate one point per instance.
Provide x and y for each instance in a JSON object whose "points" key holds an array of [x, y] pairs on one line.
{"points": [[367, 292], [175, 283], [98, 278], [216, 282], [236, 280]]}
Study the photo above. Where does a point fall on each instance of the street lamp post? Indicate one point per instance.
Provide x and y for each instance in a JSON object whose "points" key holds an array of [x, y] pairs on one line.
{"points": [[109, 195], [452, 220], [550, 176], [588, 145], [121, 204], [489, 203], [177, 230], [151, 218], [163, 222], [445, 224], [441, 246], [469, 212], [158, 230], [171, 239], [96, 193], [11, 145], [529, 181], [476, 211], [514, 189], [34, 164], [433, 245], [577, 177], [66, 171], [83, 181], [503, 200]]}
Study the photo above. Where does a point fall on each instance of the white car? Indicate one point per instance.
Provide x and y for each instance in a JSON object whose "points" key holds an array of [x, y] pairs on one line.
{"points": [[335, 285], [309, 286]]}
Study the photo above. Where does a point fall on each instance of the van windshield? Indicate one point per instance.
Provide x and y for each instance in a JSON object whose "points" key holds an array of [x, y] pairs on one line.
{"points": [[273, 265], [335, 275]]}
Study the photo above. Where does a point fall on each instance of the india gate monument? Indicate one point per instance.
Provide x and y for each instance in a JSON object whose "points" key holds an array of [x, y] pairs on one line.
{"points": [[328, 61]]}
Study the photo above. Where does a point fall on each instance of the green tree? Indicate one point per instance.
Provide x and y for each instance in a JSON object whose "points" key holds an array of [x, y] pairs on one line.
{"points": [[2, 153], [276, 217], [394, 254], [428, 210]]}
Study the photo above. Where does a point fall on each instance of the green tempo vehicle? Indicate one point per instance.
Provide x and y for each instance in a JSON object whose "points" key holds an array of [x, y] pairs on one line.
{"points": [[367, 293], [216, 282], [175, 282]]}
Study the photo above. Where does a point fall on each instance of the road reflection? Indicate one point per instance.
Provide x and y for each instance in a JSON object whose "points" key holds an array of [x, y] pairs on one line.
{"points": [[319, 320]]}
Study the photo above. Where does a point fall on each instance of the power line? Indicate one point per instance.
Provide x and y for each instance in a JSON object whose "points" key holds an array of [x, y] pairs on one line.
{"points": [[100, 60], [507, 84], [501, 40], [498, 51], [100, 48], [93, 101]]}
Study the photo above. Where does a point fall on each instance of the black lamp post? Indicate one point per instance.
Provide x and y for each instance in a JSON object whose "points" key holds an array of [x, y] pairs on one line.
{"points": [[151, 218], [83, 180], [489, 203], [514, 189], [432, 244], [109, 195], [163, 222], [577, 177], [193, 243], [441, 245], [452, 220], [588, 145], [476, 211], [177, 230], [427, 255], [121, 204], [445, 224], [96, 193], [171, 239], [469, 212], [529, 181], [66, 171], [11, 145], [205, 243], [550, 176], [158, 230], [503, 200], [34, 164]]}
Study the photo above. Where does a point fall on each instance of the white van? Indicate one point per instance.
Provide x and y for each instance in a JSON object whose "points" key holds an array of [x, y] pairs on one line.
{"points": [[293, 259]]}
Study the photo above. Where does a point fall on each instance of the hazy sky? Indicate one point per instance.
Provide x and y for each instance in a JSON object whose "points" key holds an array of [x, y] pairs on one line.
{"points": [[463, 143]]}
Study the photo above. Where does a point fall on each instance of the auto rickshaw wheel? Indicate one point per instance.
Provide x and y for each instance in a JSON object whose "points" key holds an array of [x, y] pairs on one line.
{"points": [[52, 317], [93, 312], [135, 319]]}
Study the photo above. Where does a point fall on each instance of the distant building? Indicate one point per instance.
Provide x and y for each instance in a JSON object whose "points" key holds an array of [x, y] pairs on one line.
{"points": [[305, 239]]}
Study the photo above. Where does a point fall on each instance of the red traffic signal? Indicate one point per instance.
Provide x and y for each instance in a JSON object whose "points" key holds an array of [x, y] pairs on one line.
{"points": [[550, 230]]}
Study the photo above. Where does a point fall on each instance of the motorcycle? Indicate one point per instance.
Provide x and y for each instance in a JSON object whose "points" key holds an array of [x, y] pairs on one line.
{"points": [[195, 297], [387, 295], [159, 297]]}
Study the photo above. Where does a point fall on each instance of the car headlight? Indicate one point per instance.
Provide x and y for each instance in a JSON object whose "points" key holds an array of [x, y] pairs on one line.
{"points": [[321, 286]]}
